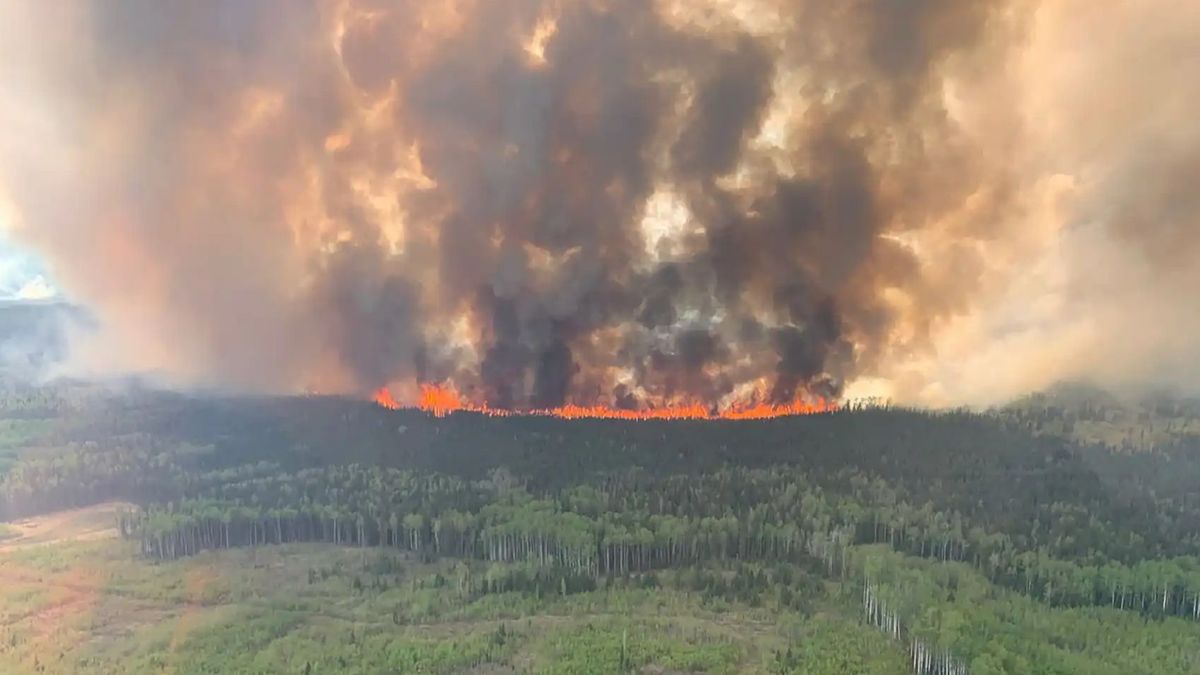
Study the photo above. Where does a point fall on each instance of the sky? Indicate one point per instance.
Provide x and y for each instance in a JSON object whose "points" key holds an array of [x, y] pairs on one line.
{"points": [[22, 275], [939, 201]]}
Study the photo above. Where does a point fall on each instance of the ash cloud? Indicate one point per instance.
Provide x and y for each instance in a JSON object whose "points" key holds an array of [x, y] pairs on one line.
{"points": [[348, 194]]}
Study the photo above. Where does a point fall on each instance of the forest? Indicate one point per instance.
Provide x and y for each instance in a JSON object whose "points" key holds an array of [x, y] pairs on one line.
{"points": [[888, 517]]}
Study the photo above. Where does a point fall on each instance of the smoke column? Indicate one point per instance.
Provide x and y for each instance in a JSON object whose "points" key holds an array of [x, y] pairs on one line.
{"points": [[614, 202]]}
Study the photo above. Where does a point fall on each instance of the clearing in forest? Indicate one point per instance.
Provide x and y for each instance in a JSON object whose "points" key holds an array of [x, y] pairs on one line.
{"points": [[87, 524]]}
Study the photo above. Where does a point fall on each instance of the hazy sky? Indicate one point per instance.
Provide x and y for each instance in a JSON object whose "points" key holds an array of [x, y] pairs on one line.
{"points": [[943, 201], [22, 276]]}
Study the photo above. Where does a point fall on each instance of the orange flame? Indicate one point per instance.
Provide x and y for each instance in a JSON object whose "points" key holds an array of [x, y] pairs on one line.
{"points": [[384, 399], [442, 400]]}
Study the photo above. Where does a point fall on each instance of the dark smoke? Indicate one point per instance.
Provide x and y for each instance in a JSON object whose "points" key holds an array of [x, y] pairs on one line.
{"points": [[370, 192]]}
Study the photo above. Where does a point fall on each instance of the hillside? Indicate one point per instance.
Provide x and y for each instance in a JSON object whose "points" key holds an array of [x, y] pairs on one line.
{"points": [[1128, 423]]}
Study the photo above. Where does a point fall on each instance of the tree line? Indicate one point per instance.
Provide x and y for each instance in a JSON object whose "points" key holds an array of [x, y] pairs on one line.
{"points": [[632, 523]]}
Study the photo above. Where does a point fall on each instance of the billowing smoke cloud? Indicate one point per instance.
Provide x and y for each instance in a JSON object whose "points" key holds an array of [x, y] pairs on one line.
{"points": [[1097, 273], [611, 201]]}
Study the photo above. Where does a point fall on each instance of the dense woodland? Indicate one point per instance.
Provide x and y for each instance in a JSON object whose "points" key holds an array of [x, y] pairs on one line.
{"points": [[634, 523], [564, 505]]}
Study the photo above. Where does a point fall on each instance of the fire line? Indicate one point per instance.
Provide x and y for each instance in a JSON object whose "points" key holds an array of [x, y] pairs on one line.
{"points": [[441, 401]]}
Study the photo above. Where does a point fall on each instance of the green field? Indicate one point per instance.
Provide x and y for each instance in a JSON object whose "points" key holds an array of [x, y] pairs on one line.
{"points": [[96, 607]]}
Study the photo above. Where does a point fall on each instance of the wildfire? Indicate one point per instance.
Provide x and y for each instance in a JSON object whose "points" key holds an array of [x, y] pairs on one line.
{"points": [[441, 401], [384, 399]]}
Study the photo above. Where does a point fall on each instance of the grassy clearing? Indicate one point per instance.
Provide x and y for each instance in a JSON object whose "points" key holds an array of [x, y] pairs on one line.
{"points": [[96, 607], [90, 524], [833, 646], [331, 646], [615, 645], [320, 608]]}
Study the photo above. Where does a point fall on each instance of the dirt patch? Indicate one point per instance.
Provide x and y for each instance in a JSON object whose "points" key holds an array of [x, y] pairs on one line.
{"points": [[67, 593], [90, 523], [117, 619], [63, 613]]}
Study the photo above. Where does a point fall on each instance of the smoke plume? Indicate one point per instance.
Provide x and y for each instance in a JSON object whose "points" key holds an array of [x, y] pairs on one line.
{"points": [[615, 202]]}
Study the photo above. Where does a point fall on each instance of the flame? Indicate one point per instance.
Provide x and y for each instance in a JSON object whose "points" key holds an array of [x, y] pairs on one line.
{"points": [[759, 411], [684, 412], [440, 401], [443, 400], [384, 399]]}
